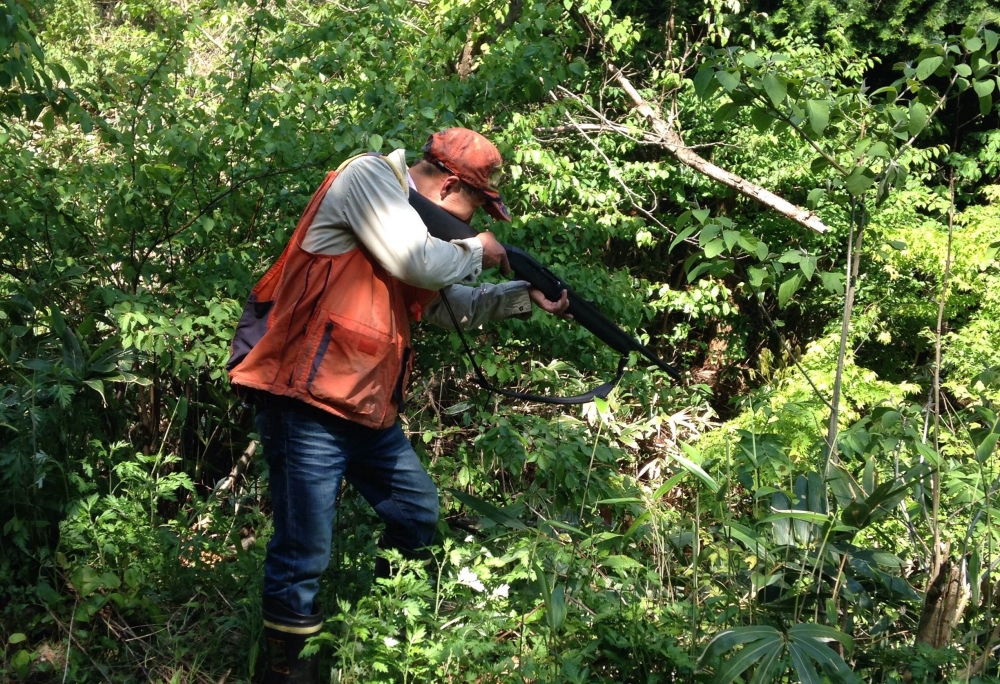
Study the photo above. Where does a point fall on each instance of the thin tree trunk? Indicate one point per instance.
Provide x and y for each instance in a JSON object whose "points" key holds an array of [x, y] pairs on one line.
{"points": [[854, 244], [935, 476]]}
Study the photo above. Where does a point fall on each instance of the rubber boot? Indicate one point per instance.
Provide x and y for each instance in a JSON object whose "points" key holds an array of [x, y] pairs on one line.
{"points": [[286, 633]]}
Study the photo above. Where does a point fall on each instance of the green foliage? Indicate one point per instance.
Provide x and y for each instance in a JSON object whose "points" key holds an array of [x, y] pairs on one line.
{"points": [[150, 181]]}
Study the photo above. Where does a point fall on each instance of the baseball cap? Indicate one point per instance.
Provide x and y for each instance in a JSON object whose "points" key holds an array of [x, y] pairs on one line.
{"points": [[474, 159]]}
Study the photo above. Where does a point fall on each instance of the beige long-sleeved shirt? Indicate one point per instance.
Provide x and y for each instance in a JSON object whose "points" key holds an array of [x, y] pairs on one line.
{"points": [[368, 205]]}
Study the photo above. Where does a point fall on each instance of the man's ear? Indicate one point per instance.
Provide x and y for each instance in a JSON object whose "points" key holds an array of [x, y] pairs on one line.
{"points": [[449, 185]]}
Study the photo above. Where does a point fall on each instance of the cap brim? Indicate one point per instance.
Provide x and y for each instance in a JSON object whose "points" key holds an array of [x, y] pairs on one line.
{"points": [[495, 206]]}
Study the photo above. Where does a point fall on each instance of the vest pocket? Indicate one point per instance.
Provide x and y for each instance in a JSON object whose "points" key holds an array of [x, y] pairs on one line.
{"points": [[348, 370]]}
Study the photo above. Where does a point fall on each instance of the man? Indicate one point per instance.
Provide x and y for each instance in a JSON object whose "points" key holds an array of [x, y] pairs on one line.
{"points": [[329, 364]]}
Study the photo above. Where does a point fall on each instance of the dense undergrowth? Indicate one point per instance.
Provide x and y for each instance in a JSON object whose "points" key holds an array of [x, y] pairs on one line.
{"points": [[154, 156]]}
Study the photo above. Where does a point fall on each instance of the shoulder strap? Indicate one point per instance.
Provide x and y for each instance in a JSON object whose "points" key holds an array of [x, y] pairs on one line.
{"points": [[399, 176]]}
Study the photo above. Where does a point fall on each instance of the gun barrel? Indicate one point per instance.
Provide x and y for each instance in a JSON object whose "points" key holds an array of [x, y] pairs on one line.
{"points": [[444, 226]]}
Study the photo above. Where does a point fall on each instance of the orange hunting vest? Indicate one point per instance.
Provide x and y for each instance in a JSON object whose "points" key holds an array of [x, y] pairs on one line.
{"points": [[332, 331]]}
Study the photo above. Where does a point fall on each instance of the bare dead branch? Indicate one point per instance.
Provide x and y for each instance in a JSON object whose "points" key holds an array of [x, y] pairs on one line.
{"points": [[615, 173], [228, 482], [684, 154]]}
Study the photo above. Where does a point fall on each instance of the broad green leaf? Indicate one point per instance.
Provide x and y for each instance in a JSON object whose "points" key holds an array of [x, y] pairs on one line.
{"points": [[821, 633], [859, 181], [984, 87], [16, 638], [557, 608], [805, 671], [640, 521], [543, 584], [816, 649], [729, 81], [748, 242], [730, 237], [879, 149], [928, 66], [775, 88], [986, 447], [761, 119], [857, 514], [681, 236], [918, 118], [85, 580], [768, 666], [725, 113], [819, 115], [375, 142], [833, 281], [564, 526], [818, 164], [963, 70], [749, 539], [788, 288], [488, 510], [808, 266], [986, 105], [885, 498], [701, 215], [728, 639], [751, 60], [805, 516], [973, 44], [763, 649], [672, 482], [694, 468], [97, 385], [991, 39], [619, 563], [891, 419], [702, 79], [714, 248], [757, 276]]}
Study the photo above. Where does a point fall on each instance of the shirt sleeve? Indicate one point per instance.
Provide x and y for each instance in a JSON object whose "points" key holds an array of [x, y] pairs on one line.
{"points": [[372, 203], [474, 306]]}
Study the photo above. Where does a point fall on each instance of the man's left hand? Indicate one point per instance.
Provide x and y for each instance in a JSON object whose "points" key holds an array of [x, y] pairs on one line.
{"points": [[553, 307]]}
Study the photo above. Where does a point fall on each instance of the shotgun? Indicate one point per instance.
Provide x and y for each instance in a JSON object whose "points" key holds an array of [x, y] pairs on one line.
{"points": [[444, 226]]}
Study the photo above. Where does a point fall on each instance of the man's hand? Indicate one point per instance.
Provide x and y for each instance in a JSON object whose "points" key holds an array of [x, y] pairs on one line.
{"points": [[493, 253], [558, 308]]}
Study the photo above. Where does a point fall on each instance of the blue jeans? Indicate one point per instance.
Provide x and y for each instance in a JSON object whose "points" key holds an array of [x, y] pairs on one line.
{"points": [[309, 453]]}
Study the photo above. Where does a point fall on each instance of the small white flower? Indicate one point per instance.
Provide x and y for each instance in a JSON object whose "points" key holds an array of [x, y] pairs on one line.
{"points": [[390, 642], [470, 579], [469, 539], [501, 592]]}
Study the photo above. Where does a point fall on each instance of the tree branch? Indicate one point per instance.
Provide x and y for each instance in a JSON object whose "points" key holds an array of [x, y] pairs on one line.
{"points": [[685, 155], [473, 48]]}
